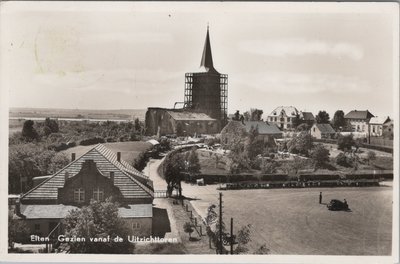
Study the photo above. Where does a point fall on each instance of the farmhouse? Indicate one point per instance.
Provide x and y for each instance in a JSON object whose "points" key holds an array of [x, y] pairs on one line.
{"points": [[322, 131], [359, 120], [376, 125], [235, 130], [283, 117], [308, 118], [97, 175]]}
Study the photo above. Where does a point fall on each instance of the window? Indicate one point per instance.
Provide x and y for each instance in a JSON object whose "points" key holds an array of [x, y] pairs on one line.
{"points": [[373, 129], [288, 119], [79, 195], [276, 119], [314, 129], [98, 194], [135, 225]]}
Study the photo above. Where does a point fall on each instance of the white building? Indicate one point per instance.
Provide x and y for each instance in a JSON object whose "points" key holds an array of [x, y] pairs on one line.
{"points": [[376, 125], [283, 117]]}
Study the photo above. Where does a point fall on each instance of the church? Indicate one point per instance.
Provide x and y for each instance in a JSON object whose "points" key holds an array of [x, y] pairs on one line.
{"points": [[205, 103]]}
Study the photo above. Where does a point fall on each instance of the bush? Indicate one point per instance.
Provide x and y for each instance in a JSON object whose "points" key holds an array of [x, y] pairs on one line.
{"points": [[346, 142], [320, 155], [342, 160], [92, 141], [268, 166]]}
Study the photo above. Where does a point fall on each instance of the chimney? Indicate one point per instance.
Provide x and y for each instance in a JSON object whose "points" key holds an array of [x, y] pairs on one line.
{"points": [[73, 155], [112, 176], [119, 156]]}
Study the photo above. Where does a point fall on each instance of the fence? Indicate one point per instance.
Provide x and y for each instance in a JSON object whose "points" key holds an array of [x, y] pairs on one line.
{"points": [[160, 194], [195, 219], [378, 141]]}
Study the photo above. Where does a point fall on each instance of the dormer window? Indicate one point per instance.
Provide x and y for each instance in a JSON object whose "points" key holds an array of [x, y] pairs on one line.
{"points": [[79, 195], [98, 194]]}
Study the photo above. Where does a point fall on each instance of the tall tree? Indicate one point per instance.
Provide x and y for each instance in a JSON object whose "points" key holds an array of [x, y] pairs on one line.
{"points": [[174, 166], [320, 155], [50, 125], [322, 117], [97, 220], [338, 120], [255, 114], [29, 132]]}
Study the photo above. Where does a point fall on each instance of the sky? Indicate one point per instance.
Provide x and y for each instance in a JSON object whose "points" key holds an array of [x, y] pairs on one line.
{"points": [[124, 55]]}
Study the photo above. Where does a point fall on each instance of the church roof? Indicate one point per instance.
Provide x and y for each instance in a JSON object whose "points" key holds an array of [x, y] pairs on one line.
{"points": [[132, 183], [206, 63]]}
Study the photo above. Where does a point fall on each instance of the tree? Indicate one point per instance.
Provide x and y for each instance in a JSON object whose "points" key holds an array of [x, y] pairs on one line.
{"points": [[51, 125], [188, 228], [174, 165], [193, 162], [243, 237], [322, 117], [246, 116], [338, 121], [18, 231], [138, 126], [302, 127], [236, 116], [255, 114], [342, 160], [296, 122], [300, 144], [140, 161], [293, 167], [97, 220], [29, 133], [371, 156], [268, 167], [57, 162], [346, 142], [320, 155], [254, 146]]}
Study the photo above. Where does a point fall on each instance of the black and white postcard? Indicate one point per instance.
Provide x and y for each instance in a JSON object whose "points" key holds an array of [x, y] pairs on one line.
{"points": [[199, 131]]}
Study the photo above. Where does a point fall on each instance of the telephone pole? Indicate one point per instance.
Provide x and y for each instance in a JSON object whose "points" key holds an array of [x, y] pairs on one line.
{"points": [[232, 237], [220, 223]]}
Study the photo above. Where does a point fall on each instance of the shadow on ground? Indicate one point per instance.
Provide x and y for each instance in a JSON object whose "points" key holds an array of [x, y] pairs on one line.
{"points": [[161, 224]]}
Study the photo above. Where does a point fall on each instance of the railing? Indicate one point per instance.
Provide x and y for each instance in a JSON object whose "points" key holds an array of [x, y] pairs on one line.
{"points": [[160, 194]]}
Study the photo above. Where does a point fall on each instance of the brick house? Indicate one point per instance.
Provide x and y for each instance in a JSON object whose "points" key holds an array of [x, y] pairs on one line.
{"points": [[322, 131], [359, 120], [97, 174]]}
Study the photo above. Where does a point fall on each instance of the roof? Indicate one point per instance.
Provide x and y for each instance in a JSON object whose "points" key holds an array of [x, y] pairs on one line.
{"points": [[290, 111], [356, 114], [379, 120], [37, 211], [190, 116], [206, 63], [60, 211], [263, 127], [131, 182], [136, 210], [153, 142], [325, 128], [308, 116]]}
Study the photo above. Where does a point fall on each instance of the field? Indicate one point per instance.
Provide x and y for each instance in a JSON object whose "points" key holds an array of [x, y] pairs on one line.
{"points": [[291, 221], [78, 113], [129, 150]]}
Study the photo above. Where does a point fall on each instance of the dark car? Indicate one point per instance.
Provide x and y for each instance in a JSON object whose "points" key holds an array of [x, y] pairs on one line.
{"points": [[337, 205]]}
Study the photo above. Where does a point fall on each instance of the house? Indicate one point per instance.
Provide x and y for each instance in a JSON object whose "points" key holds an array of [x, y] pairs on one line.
{"points": [[97, 174], [359, 120], [308, 118], [376, 125], [162, 121], [283, 117], [388, 130], [234, 131], [322, 131]]}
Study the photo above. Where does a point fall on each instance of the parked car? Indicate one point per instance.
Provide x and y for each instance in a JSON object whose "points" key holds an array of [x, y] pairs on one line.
{"points": [[337, 205]]}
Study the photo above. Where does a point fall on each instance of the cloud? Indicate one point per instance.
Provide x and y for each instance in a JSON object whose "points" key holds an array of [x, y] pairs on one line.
{"points": [[301, 47]]}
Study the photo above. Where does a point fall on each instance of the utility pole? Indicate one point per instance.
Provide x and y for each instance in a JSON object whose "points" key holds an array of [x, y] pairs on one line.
{"points": [[220, 223], [232, 237]]}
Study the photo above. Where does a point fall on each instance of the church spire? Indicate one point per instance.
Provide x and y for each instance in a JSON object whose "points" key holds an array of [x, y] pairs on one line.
{"points": [[206, 59]]}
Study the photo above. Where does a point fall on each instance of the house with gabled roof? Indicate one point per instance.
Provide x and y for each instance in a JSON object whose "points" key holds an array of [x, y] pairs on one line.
{"points": [[376, 125], [322, 131], [359, 120], [97, 174]]}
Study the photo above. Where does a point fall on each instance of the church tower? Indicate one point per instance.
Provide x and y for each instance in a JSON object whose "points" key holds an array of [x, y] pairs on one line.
{"points": [[206, 91]]}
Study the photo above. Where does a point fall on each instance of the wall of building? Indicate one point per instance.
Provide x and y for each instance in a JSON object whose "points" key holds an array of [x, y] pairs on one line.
{"points": [[359, 125], [376, 130], [142, 227], [206, 94]]}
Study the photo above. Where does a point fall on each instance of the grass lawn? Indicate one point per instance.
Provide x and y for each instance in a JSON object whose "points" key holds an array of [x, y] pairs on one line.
{"points": [[129, 150], [291, 221]]}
